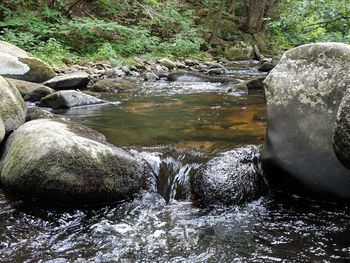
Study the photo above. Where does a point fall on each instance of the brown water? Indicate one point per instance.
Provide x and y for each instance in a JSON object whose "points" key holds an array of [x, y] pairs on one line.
{"points": [[176, 127]]}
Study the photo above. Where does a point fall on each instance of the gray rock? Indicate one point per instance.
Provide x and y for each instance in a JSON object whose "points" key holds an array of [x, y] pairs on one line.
{"points": [[303, 93], [66, 99], [257, 83], [15, 63], [114, 86], [31, 91], [233, 178], [38, 113], [341, 133], [197, 77], [12, 106], [2, 130], [68, 163], [267, 66], [150, 76], [167, 63], [75, 80], [216, 71]]}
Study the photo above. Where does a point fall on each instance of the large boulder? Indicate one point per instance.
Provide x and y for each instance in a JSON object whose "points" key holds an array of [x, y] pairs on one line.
{"points": [[233, 178], [341, 133], [303, 93], [12, 106], [68, 163], [17, 64], [66, 99], [75, 80], [31, 91]]}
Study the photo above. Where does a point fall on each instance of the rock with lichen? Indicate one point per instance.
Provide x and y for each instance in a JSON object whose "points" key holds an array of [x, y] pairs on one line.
{"points": [[12, 106], [18, 64], [67, 163], [303, 94]]}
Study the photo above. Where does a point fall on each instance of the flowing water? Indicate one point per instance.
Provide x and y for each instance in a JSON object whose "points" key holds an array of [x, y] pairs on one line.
{"points": [[177, 127]]}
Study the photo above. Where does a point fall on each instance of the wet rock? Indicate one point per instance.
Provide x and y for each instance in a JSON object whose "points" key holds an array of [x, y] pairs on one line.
{"points": [[341, 133], [150, 76], [31, 91], [233, 178], [196, 77], [70, 164], [167, 63], [113, 86], [268, 66], [75, 80], [303, 94], [12, 106], [257, 83], [38, 113], [216, 71], [15, 63], [66, 99]]}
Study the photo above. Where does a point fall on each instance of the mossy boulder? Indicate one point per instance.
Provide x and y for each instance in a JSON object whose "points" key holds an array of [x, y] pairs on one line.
{"points": [[303, 94], [66, 99], [67, 163], [239, 51], [31, 91], [114, 86], [233, 178], [12, 106], [17, 64]]}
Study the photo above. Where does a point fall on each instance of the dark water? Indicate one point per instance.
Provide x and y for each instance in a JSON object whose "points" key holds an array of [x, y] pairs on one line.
{"points": [[177, 127]]}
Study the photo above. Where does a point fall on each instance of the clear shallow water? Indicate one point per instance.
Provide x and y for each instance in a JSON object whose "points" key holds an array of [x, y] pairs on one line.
{"points": [[176, 128]]}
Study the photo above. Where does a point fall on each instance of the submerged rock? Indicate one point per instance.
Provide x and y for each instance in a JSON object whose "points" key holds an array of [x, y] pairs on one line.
{"points": [[69, 164], [75, 80], [303, 94], [17, 64], [341, 133], [233, 178], [31, 91], [12, 106], [197, 77], [113, 86], [66, 99]]}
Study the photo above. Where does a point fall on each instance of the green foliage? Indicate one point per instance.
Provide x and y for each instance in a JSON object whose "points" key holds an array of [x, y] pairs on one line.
{"points": [[120, 29], [303, 21]]}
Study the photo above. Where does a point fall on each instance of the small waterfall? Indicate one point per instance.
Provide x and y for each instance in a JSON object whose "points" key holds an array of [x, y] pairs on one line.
{"points": [[173, 169]]}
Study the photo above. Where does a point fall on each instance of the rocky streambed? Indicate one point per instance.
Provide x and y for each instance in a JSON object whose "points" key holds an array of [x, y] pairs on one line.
{"points": [[186, 184]]}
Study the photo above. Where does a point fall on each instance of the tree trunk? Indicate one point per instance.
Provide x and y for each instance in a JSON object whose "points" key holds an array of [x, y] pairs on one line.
{"points": [[232, 6], [254, 17], [217, 22]]}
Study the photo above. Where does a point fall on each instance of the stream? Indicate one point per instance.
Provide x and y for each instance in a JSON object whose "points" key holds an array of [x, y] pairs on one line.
{"points": [[177, 127]]}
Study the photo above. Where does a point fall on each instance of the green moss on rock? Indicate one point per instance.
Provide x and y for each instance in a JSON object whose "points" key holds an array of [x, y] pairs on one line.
{"points": [[62, 162]]}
